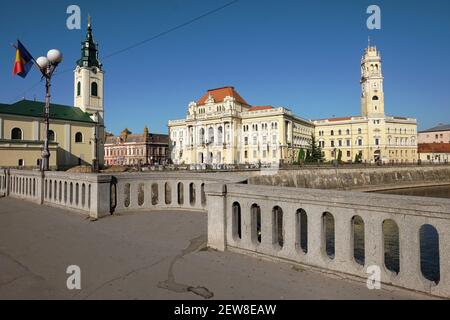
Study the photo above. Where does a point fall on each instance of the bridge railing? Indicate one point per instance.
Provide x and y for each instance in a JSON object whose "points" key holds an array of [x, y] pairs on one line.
{"points": [[144, 191], [103, 194], [292, 224], [22, 184]]}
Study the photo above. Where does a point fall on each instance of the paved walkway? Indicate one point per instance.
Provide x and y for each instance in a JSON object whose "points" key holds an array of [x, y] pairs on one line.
{"points": [[157, 255]]}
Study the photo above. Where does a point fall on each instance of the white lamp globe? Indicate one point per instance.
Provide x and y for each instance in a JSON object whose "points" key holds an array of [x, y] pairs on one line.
{"points": [[42, 62], [54, 56]]}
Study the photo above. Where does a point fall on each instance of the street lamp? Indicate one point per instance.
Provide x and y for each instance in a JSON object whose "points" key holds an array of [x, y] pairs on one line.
{"points": [[48, 65]]}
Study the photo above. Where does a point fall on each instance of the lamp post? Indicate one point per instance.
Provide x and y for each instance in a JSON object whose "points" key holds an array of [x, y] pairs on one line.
{"points": [[48, 65]]}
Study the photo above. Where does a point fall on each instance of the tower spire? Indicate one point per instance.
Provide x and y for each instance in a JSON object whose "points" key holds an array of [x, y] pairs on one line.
{"points": [[89, 50]]}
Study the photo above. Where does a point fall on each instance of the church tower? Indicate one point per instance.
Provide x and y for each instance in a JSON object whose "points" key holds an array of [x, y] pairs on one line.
{"points": [[88, 91], [89, 78], [372, 97]]}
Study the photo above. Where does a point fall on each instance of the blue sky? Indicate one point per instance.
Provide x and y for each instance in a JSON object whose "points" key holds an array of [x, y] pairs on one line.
{"points": [[303, 55]]}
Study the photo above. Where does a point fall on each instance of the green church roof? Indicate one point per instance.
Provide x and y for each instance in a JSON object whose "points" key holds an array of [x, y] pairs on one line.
{"points": [[35, 109]]}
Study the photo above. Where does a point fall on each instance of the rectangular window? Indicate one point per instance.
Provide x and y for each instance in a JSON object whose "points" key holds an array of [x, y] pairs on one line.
{"points": [[348, 154], [332, 143], [348, 143], [274, 153], [254, 153], [359, 142], [264, 154], [245, 154]]}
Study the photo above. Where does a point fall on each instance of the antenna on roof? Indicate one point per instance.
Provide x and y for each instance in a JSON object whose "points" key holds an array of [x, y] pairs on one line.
{"points": [[368, 41]]}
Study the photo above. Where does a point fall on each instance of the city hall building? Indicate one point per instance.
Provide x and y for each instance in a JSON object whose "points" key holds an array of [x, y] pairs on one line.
{"points": [[373, 136], [76, 135], [222, 128]]}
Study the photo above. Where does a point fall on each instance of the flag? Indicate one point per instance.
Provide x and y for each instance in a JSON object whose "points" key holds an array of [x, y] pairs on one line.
{"points": [[24, 61]]}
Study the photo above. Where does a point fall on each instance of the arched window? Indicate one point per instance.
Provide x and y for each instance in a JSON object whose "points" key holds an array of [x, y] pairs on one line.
{"points": [[256, 223], [219, 135], [391, 240], [168, 193], [329, 235], [429, 253], [202, 136], [375, 98], [79, 88], [78, 137], [358, 240], [277, 223], [192, 194], [237, 226], [51, 135], [94, 89], [16, 134], [211, 135], [302, 230], [180, 195]]}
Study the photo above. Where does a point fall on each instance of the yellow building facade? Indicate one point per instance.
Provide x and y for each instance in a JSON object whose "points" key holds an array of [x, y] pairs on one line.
{"points": [[372, 136], [76, 135], [222, 128]]}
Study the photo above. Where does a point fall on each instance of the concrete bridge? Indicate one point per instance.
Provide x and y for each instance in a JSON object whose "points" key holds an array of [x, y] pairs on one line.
{"points": [[267, 222]]}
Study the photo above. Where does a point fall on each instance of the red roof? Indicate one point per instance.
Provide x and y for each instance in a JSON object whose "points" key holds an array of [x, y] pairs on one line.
{"points": [[256, 108], [340, 119], [434, 147], [336, 119], [219, 95]]}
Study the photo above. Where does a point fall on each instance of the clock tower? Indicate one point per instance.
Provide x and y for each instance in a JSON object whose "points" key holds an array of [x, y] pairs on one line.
{"points": [[88, 90], [372, 97]]}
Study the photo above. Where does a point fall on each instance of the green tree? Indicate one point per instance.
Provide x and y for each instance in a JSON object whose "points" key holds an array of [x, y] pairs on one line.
{"points": [[315, 152], [339, 157], [301, 156], [358, 158]]}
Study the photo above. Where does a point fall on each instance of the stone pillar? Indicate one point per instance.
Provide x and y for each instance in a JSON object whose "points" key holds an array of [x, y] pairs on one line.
{"points": [[186, 194], [267, 240], [289, 230], [174, 193], [217, 213], [410, 275], [343, 238], [101, 197], [373, 242], [161, 194], [316, 236]]}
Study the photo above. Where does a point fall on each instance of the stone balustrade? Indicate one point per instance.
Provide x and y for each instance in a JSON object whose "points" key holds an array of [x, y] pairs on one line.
{"points": [[282, 223], [100, 195], [159, 191], [290, 224]]}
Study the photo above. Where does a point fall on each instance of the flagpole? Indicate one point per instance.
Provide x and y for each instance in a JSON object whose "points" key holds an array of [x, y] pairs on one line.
{"points": [[47, 66]]}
